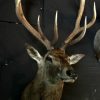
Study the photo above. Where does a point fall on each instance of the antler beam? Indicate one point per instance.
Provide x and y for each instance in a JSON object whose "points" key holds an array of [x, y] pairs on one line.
{"points": [[32, 30], [77, 28]]}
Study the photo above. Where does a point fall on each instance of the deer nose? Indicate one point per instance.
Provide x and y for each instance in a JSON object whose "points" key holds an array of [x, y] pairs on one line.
{"points": [[72, 74]]}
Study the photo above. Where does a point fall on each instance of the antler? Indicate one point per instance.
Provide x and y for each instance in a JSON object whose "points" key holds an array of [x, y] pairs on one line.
{"points": [[39, 35], [78, 28], [55, 35]]}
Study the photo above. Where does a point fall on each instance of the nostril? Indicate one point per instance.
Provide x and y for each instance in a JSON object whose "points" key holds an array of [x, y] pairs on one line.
{"points": [[69, 72]]}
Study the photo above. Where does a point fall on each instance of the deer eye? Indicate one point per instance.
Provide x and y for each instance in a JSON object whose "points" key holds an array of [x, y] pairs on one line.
{"points": [[49, 59]]}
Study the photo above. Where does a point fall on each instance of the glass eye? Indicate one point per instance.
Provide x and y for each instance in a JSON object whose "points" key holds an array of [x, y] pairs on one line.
{"points": [[49, 59]]}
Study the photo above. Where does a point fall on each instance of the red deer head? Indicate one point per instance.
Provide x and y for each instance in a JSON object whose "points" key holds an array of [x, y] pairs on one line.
{"points": [[54, 68]]}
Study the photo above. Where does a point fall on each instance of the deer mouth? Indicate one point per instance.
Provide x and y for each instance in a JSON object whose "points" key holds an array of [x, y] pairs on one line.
{"points": [[70, 79]]}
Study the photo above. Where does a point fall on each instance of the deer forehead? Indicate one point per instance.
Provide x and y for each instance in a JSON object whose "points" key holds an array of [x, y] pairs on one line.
{"points": [[59, 55]]}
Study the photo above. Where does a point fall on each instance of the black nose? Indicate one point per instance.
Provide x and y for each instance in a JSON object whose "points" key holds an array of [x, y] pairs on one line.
{"points": [[72, 74]]}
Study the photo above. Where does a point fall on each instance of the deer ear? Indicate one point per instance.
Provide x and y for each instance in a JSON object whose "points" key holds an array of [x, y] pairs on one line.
{"points": [[33, 53], [75, 58]]}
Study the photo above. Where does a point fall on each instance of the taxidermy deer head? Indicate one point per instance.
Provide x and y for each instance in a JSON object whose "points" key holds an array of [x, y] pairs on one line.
{"points": [[54, 68]]}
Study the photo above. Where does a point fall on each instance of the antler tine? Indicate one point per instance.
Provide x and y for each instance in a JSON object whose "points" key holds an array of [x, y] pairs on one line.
{"points": [[81, 35], [39, 26], [77, 28], [94, 17], [33, 31], [55, 36]]}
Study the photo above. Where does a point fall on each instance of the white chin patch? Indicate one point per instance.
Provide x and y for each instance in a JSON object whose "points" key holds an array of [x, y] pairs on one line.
{"points": [[70, 80]]}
